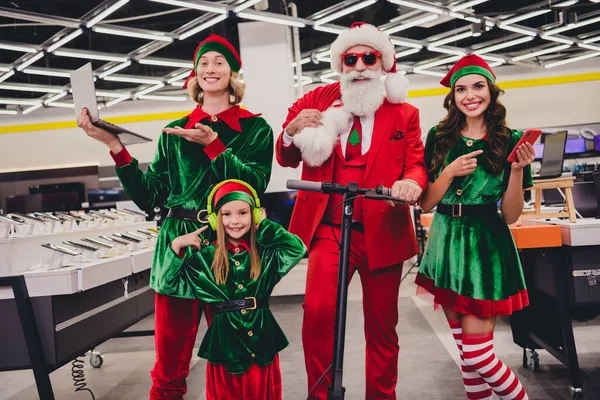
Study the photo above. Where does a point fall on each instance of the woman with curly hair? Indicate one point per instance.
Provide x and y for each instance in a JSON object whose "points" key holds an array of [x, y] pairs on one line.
{"points": [[218, 140], [471, 265]]}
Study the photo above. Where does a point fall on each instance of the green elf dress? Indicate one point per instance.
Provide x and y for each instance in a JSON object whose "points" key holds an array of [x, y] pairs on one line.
{"points": [[471, 263]]}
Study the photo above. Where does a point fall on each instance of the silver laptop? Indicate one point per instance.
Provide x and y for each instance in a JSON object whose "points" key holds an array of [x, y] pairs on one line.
{"points": [[554, 155], [84, 95]]}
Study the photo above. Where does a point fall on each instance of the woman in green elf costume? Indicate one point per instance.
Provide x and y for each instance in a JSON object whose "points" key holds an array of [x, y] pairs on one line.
{"points": [[471, 264], [235, 276], [218, 140]]}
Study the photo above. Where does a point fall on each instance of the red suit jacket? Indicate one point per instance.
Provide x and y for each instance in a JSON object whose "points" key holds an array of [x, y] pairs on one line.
{"points": [[396, 153]]}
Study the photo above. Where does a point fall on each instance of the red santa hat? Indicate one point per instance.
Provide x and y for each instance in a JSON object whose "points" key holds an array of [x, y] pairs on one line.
{"points": [[471, 64], [361, 33]]}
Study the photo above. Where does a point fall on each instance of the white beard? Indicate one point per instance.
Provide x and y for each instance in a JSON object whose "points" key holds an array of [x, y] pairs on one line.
{"points": [[365, 97]]}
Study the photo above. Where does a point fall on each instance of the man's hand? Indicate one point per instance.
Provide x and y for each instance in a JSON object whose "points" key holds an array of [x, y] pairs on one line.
{"points": [[406, 190], [201, 134], [305, 119]]}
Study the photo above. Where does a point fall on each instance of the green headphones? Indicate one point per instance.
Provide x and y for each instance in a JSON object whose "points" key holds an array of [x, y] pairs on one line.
{"points": [[212, 218]]}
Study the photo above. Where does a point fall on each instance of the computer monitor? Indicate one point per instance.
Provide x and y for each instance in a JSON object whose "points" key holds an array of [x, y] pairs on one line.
{"points": [[539, 150], [279, 206], [585, 199], [575, 146], [597, 142], [596, 179], [554, 155]]}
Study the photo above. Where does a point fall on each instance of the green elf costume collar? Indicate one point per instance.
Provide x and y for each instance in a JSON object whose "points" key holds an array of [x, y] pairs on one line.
{"points": [[471, 64]]}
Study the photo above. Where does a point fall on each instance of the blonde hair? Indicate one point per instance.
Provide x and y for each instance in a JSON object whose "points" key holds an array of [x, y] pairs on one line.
{"points": [[220, 264], [236, 90]]}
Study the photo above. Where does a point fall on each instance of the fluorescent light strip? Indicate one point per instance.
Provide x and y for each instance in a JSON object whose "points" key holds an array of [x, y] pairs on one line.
{"points": [[30, 61], [557, 39], [114, 69], [101, 57], [32, 88], [163, 98], [65, 40], [245, 5], [61, 105], [126, 33], [106, 13], [274, 20], [303, 61], [326, 77], [132, 79], [439, 62], [7, 75], [492, 58], [505, 45], [30, 109], [195, 6], [18, 102], [416, 22], [577, 25], [453, 38], [15, 47], [590, 47], [323, 56], [406, 53], [110, 94], [56, 97], [8, 112], [445, 51], [572, 60], [467, 4], [202, 27], [116, 101], [179, 77], [517, 30], [322, 28], [418, 6], [400, 42], [565, 3], [541, 52], [345, 11], [495, 64], [427, 72], [149, 90], [593, 39], [44, 72], [176, 64], [4, 69], [524, 17]]}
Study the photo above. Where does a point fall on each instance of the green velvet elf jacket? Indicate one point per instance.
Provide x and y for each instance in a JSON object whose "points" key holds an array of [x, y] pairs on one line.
{"points": [[237, 339], [182, 174]]}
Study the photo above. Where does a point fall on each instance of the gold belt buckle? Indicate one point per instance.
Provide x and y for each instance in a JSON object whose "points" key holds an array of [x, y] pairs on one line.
{"points": [[457, 210], [254, 300]]}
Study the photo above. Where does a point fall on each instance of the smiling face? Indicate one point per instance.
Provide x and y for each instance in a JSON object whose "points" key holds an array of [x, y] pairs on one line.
{"points": [[237, 219], [213, 72], [472, 95]]}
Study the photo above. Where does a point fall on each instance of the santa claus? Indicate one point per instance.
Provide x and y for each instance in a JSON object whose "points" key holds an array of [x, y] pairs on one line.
{"points": [[357, 130]]}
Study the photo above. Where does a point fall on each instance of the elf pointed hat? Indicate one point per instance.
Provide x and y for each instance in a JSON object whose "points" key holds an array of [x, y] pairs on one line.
{"points": [[221, 46], [361, 33], [471, 64]]}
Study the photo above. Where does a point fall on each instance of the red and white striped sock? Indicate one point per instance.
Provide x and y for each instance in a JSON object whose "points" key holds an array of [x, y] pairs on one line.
{"points": [[478, 351], [475, 387]]}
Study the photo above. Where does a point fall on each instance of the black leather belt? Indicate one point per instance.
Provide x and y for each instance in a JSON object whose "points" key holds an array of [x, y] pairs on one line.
{"points": [[249, 303], [465, 210], [188, 215], [355, 226]]}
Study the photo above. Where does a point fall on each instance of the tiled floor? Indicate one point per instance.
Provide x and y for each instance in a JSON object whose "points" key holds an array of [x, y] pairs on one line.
{"points": [[427, 366]]}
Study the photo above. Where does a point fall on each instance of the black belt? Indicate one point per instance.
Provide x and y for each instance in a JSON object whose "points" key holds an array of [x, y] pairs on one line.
{"points": [[249, 303], [465, 210], [355, 226], [188, 215]]}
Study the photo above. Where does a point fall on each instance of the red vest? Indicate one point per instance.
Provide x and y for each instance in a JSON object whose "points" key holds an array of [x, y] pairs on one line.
{"points": [[345, 172]]}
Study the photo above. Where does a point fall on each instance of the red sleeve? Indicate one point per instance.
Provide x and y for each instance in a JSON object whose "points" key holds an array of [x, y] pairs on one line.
{"points": [[122, 158], [414, 164], [214, 148], [289, 156]]}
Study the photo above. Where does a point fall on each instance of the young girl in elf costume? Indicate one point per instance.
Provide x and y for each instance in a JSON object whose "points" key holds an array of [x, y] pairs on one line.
{"points": [[235, 276], [471, 264]]}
